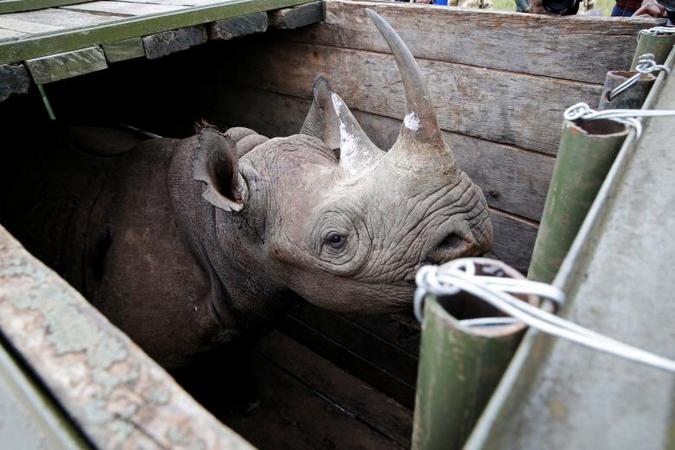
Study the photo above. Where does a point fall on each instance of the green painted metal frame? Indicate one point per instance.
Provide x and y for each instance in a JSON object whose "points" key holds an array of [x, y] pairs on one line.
{"points": [[10, 6], [493, 428], [18, 50]]}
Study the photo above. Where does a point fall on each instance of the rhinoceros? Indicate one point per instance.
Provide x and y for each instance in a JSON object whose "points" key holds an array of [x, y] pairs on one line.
{"points": [[186, 244]]}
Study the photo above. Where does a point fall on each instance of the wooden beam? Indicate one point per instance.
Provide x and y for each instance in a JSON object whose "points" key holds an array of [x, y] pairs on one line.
{"points": [[297, 16], [238, 26], [349, 393], [113, 29], [13, 80], [66, 65], [574, 48], [167, 42], [125, 49]]}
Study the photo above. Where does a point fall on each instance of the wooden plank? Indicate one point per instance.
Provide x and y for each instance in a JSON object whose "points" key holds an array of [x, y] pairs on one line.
{"points": [[100, 33], [167, 42], [66, 65], [54, 17], [359, 399], [505, 107], [124, 49], [13, 80], [238, 26], [579, 48], [10, 6], [514, 180], [346, 358], [297, 16], [400, 330], [293, 416], [123, 9], [25, 26], [10, 34], [514, 240]]}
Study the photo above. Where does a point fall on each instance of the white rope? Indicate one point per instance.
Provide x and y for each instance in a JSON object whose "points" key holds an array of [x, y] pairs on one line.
{"points": [[646, 65], [460, 275], [628, 117]]}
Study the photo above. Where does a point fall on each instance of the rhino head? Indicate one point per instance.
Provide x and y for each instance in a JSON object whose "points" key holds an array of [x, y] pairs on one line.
{"points": [[335, 218]]}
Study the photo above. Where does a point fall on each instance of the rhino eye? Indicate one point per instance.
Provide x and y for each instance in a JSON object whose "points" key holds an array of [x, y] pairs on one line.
{"points": [[336, 240]]}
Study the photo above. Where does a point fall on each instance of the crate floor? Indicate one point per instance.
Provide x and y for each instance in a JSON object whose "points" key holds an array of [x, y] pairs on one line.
{"points": [[305, 401]]}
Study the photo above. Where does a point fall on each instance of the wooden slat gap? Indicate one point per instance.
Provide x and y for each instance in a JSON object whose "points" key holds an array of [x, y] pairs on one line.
{"points": [[515, 217]]}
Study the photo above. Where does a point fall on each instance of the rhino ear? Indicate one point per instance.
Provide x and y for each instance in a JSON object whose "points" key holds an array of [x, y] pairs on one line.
{"points": [[322, 121], [215, 163]]}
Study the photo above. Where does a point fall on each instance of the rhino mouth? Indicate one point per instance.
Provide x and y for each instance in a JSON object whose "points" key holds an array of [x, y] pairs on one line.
{"points": [[452, 246]]}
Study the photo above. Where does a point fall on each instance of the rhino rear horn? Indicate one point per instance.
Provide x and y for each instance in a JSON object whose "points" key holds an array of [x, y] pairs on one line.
{"points": [[215, 163], [321, 120]]}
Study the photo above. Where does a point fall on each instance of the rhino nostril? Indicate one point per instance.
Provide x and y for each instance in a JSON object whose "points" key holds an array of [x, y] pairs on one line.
{"points": [[453, 246]]}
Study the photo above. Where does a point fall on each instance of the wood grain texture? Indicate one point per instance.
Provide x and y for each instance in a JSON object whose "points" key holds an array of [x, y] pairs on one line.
{"points": [[47, 20], [514, 240], [167, 42], [559, 47], [123, 9], [116, 394], [513, 180], [66, 65], [506, 107], [359, 399], [297, 16], [24, 26], [238, 26], [14, 79], [10, 6], [124, 50]]}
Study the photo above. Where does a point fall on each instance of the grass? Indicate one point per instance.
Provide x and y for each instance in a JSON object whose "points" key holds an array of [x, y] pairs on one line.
{"points": [[604, 6]]}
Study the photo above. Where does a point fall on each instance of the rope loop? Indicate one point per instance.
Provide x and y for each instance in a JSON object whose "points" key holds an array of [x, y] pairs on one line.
{"points": [[628, 117], [646, 65], [468, 275]]}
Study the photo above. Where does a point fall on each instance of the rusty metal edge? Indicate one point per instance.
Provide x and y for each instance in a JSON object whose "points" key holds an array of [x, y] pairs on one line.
{"points": [[533, 350]]}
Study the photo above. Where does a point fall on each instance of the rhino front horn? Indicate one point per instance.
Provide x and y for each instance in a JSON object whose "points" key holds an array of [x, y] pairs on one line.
{"points": [[420, 131]]}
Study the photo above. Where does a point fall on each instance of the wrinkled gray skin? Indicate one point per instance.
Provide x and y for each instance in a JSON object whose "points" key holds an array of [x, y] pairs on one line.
{"points": [[193, 241]]}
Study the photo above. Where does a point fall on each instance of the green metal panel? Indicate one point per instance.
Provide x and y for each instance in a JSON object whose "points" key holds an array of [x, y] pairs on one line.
{"points": [[558, 395], [586, 153]]}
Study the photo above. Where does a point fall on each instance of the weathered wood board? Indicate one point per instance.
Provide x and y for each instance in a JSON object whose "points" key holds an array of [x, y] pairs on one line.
{"points": [[297, 16], [168, 42], [123, 50], [238, 26], [557, 47], [13, 80], [504, 107], [66, 65], [123, 9], [357, 398], [297, 411]]}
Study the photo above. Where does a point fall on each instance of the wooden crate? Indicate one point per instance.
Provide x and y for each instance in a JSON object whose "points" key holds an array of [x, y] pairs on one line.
{"points": [[500, 82]]}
